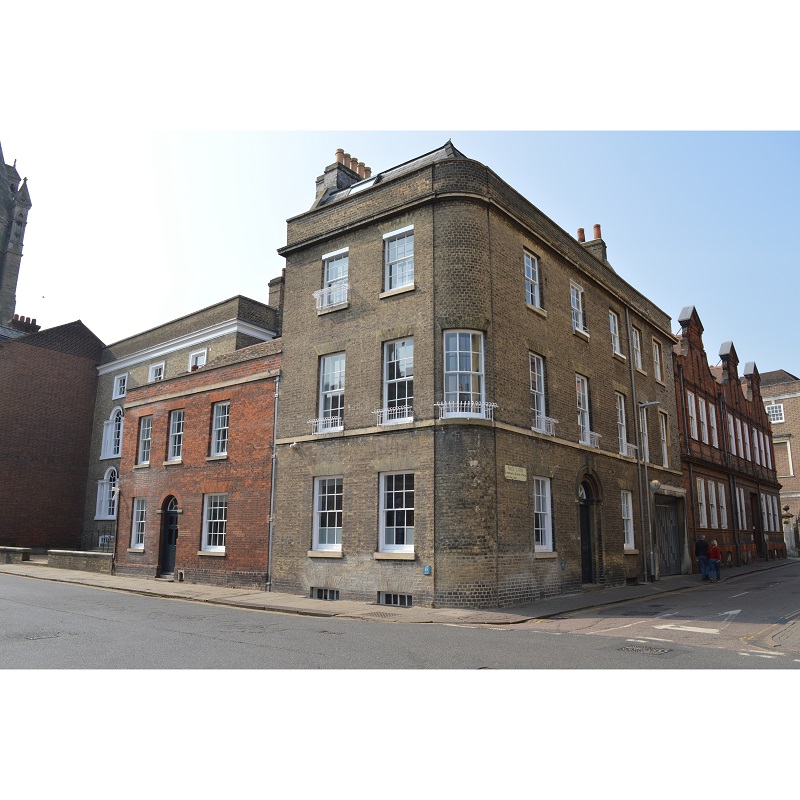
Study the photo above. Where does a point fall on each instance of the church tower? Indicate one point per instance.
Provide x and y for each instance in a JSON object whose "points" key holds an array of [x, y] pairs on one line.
{"points": [[15, 202]]}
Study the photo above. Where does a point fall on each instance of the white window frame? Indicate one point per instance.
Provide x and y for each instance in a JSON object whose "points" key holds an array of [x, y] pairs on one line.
{"points": [[622, 427], [107, 492], [756, 449], [332, 369], [775, 413], [327, 489], [742, 508], [747, 441], [701, 404], [636, 335], [657, 361], [613, 324], [768, 449], [139, 523], [156, 372], [220, 427], [644, 435], [113, 428], [701, 503], [777, 511], [533, 285], [398, 380], [584, 416], [692, 410], [392, 261], [627, 520], [663, 422], [712, 504], [386, 509], [215, 522], [198, 359], [335, 277], [723, 507], [764, 519], [459, 400], [731, 435], [177, 419], [712, 422], [538, 392], [145, 440], [542, 515], [577, 305], [762, 442], [120, 386]]}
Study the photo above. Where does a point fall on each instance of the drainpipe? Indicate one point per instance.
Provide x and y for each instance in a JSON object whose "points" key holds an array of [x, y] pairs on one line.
{"points": [[273, 477], [638, 443]]}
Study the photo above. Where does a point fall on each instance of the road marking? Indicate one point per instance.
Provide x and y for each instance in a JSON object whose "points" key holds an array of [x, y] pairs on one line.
{"points": [[739, 595], [656, 639], [686, 628], [640, 641], [759, 655], [772, 654]]}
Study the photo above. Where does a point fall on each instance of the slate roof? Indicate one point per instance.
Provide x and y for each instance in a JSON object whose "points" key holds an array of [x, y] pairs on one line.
{"points": [[777, 376]]}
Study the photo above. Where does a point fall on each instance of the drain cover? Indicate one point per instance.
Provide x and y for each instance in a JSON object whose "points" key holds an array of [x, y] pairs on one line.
{"points": [[380, 615], [652, 651]]}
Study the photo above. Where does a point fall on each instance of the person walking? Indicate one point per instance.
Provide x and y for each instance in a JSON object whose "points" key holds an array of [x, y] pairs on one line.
{"points": [[714, 561], [701, 554]]}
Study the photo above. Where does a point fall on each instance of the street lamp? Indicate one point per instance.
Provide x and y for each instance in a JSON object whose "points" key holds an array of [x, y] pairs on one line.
{"points": [[652, 488]]}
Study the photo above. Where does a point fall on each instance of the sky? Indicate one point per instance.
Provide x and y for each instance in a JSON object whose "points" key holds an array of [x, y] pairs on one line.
{"points": [[167, 143]]}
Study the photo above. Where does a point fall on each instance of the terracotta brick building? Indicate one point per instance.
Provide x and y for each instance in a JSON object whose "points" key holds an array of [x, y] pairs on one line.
{"points": [[781, 394], [196, 472], [726, 450], [476, 408], [48, 381]]}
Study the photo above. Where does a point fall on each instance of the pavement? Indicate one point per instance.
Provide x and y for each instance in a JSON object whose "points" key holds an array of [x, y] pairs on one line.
{"points": [[281, 602]]}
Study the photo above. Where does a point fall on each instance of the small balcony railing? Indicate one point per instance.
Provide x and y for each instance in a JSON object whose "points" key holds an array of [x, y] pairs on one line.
{"points": [[579, 325], [394, 415], [629, 450], [590, 438], [543, 424], [466, 408], [326, 424], [332, 296]]}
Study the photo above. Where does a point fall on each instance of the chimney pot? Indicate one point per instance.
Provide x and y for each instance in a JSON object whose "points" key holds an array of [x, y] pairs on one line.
{"points": [[597, 234], [16, 317], [361, 168], [367, 172], [340, 156], [354, 163], [581, 235], [346, 159], [33, 322]]}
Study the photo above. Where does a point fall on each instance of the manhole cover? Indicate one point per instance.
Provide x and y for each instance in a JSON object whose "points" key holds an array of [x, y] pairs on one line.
{"points": [[651, 651], [380, 615]]}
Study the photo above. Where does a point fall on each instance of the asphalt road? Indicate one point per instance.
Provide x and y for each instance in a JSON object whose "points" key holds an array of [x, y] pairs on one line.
{"points": [[744, 623]]}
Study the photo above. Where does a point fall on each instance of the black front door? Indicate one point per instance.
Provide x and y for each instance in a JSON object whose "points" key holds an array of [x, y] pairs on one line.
{"points": [[169, 536], [585, 517]]}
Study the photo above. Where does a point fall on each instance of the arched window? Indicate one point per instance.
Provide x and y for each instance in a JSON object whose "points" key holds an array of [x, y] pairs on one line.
{"points": [[107, 490], [112, 434]]}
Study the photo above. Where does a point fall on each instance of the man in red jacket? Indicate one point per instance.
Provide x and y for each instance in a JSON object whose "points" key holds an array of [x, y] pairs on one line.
{"points": [[714, 560]]}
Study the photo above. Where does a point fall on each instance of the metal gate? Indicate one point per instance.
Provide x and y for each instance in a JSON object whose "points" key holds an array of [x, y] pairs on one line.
{"points": [[668, 538]]}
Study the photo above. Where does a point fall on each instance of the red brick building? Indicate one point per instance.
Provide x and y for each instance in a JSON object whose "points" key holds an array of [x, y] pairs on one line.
{"points": [[48, 381], [196, 472], [726, 451]]}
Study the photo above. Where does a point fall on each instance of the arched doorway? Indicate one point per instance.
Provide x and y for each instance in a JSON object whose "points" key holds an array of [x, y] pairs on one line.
{"points": [[169, 535], [585, 501]]}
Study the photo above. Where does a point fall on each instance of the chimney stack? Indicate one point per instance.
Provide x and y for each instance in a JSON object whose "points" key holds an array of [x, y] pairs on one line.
{"points": [[597, 247], [581, 235], [344, 172], [597, 234]]}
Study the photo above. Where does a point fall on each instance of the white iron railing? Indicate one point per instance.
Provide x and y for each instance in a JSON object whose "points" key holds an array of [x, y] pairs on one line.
{"points": [[543, 424], [630, 450], [336, 295], [591, 438], [466, 408], [390, 416], [326, 424]]}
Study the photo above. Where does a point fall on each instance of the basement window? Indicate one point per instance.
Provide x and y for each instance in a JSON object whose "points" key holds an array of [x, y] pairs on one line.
{"points": [[389, 599], [320, 593]]}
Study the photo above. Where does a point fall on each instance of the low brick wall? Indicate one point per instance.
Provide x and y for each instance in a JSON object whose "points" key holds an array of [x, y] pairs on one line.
{"points": [[79, 559], [14, 555]]}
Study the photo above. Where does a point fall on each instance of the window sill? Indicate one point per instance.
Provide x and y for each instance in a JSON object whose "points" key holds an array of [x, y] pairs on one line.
{"points": [[581, 334], [142, 466], [325, 554], [212, 553], [640, 371], [545, 554], [173, 462], [329, 309], [631, 552], [136, 549], [106, 457], [400, 290], [221, 457], [619, 356], [660, 381], [394, 556], [540, 311]]}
